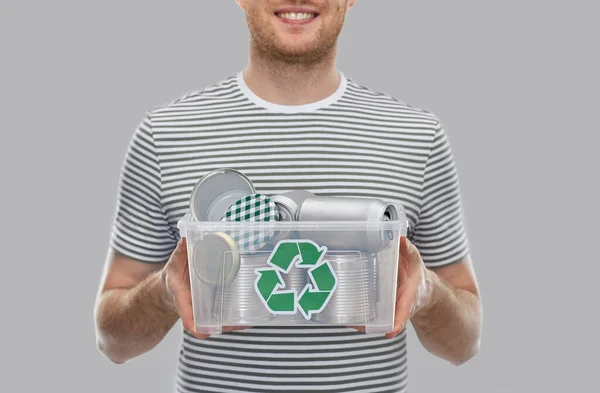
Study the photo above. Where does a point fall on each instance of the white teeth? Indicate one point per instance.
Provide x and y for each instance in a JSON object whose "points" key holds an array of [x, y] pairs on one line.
{"points": [[296, 15]]}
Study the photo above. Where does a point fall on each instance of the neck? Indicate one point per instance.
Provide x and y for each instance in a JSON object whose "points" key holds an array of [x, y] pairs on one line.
{"points": [[287, 82]]}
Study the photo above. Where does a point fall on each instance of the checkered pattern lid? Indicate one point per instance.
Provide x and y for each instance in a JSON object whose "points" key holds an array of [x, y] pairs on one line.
{"points": [[255, 207]]}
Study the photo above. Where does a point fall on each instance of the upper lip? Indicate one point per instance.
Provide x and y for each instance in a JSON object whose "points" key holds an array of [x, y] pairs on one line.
{"points": [[297, 10]]}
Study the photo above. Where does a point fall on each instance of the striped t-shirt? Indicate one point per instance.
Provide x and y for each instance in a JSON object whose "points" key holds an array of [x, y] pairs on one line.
{"points": [[356, 142]]}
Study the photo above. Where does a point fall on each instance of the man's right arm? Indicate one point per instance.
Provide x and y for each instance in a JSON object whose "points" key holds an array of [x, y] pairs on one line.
{"points": [[138, 303]]}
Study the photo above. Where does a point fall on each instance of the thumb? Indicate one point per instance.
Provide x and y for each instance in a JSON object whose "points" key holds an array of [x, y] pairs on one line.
{"points": [[180, 252], [408, 251], [182, 245]]}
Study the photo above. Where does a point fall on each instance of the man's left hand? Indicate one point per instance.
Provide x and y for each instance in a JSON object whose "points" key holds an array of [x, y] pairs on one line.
{"points": [[413, 290]]}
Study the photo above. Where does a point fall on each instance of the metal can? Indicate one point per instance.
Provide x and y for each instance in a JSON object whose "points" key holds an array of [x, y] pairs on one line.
{"points": [[354, 301], [217, 191], [292, 200], [349, 209], [240, 303], [288, 204]]}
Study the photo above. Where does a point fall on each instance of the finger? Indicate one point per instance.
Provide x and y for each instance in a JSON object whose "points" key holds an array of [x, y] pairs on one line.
{"points": [[403, 310], [403, 261], [395, 332], [183, 301], [179, 256], [408, 260], [201, 336], [178, 264], [409, 254], [408, 251], [234, 328], [404, 307], [359, 328], [225, 329]]}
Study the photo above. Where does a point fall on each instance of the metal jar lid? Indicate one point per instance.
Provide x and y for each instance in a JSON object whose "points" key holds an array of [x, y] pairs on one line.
{"points": [[216, 258], [217, 191], [256, 207]]}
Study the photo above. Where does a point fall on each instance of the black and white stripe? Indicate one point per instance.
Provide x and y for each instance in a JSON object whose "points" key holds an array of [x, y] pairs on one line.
{"points": [[355, 143]]}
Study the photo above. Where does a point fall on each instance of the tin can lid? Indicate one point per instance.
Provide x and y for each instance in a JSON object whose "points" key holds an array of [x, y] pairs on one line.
{"points": [[255, 207], [216, 258], [216, 192]]}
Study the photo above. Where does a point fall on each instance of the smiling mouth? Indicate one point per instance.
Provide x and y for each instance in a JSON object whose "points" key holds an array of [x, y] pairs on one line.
{"points": [[296, 16]]}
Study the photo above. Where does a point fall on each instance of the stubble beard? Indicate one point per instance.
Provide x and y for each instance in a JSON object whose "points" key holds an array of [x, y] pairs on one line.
{"points": [[264, 45]]}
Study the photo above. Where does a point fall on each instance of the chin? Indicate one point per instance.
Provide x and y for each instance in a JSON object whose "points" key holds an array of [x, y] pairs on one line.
{"points": [[301, 55], [297, 49], [296, 45]]}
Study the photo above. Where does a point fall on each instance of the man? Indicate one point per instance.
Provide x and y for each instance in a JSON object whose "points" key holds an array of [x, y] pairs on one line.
{"points": [[289, 121]]}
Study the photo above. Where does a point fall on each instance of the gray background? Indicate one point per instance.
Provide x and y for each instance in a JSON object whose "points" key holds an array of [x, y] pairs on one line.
{"points": [[514, 82]]}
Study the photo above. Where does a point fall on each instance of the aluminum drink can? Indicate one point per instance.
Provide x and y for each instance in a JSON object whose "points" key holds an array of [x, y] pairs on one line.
{"points": [[288, 204], [320, 208]]}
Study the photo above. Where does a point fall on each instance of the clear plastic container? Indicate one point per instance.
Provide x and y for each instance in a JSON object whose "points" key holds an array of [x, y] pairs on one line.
{"points": [[287, 273]]}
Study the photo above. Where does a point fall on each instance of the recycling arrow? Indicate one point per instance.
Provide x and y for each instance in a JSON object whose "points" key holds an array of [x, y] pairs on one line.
{"points": [[268, 281], [288, 252], [313, 298]]}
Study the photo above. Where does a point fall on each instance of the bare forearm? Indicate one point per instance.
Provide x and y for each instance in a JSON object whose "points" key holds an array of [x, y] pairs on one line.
{"points": [[450, 325], [130, 322]]}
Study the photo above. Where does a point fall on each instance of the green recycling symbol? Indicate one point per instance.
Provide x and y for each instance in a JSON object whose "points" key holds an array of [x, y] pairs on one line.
{"points": [[286, 255]]}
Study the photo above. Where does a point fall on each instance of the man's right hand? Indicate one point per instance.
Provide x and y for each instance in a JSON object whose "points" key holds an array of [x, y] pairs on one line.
{"points": [[176, 282], [139, 302], [175, 276]]}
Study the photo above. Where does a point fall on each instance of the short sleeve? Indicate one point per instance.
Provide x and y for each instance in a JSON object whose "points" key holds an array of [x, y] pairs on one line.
{"points": [[140, 229], [440, 233]]}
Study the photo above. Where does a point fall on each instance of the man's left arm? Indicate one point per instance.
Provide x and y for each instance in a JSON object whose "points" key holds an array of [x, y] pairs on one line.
{"points": [[443, 305], [437, 289]]}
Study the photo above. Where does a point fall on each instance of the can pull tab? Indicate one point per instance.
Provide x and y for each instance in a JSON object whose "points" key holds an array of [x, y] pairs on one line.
{"points": [[390, 214]]}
